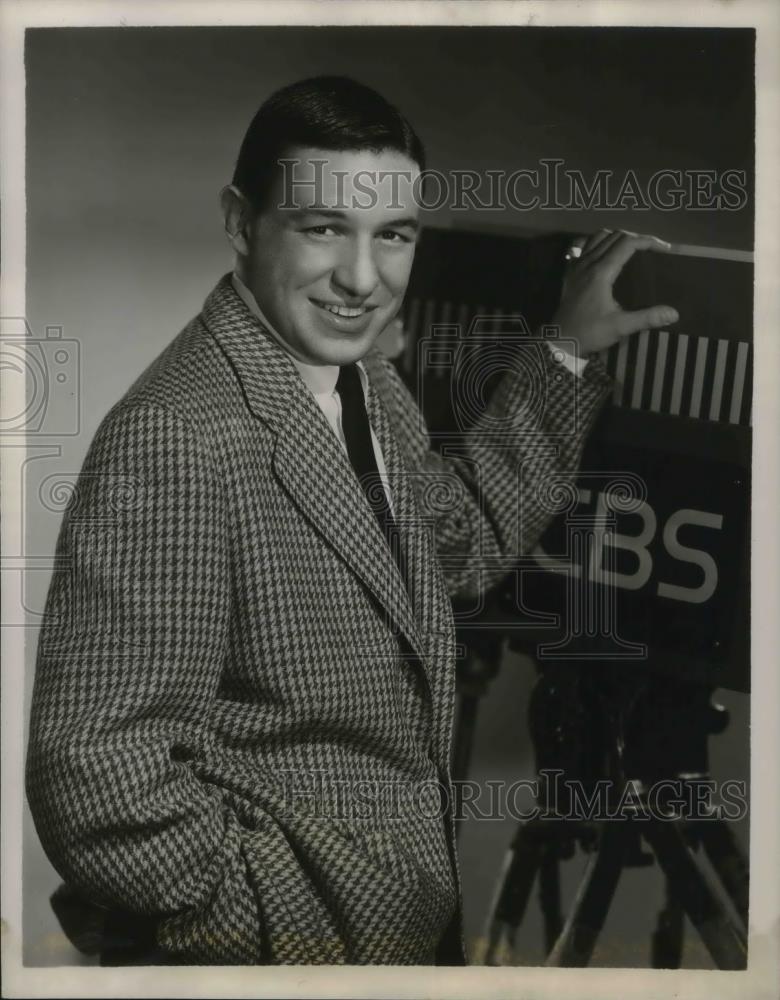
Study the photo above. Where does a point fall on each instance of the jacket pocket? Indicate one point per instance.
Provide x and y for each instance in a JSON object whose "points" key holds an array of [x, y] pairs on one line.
{"points": [[389, 908]]}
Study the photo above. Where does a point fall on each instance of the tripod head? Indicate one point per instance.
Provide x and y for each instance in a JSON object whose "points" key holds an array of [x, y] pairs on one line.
{"points": [[597, 722]]}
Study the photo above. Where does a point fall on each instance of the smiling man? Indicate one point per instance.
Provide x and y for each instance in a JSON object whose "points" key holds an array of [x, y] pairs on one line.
{"points": [[242, 717], [327, 267]]}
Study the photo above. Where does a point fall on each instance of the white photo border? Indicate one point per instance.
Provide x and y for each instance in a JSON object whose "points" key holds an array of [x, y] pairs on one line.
{"points": [[760, 979]]}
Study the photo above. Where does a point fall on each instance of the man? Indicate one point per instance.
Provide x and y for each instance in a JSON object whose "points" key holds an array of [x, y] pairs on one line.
{"points": [[242, 716]]}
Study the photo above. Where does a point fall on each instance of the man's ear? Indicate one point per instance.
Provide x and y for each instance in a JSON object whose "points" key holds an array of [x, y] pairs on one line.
{"points": [[236, 211]]}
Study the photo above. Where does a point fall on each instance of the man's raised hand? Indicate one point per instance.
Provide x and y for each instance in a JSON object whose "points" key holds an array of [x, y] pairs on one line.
{"points": [[587, 311]]}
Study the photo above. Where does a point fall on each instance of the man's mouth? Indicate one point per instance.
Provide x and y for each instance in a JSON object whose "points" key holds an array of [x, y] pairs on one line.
{"points": [[346, 312]]}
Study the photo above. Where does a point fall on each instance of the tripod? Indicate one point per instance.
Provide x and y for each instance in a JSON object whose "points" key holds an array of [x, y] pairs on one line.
{"points": [[592, 724]]}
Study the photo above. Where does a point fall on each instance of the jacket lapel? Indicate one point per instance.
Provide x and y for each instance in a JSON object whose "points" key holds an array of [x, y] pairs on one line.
{"points": [[425, 586], [308, 459]]}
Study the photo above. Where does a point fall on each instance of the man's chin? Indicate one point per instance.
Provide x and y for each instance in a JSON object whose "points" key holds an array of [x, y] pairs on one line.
{"points": [[347, 355], [343, 350]]}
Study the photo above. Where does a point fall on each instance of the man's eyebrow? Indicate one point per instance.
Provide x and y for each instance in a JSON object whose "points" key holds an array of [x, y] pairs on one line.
{"points": [[334, 213], [329, 213], [407, 221]]}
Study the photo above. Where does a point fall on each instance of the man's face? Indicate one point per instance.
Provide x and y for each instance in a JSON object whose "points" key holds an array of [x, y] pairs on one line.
{"points": [[330, 271]]}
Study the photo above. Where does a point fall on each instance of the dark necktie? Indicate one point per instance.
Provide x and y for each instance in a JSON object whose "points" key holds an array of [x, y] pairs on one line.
{"points": [[357, 434]]}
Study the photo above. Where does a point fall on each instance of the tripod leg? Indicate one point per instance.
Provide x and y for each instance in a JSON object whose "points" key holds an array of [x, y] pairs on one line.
{"points": [[464, 741], [514, 889], [668, 936], [577, 940], [729, 861], [550, 895], [464, 736], [475, 673], [724, 941]]}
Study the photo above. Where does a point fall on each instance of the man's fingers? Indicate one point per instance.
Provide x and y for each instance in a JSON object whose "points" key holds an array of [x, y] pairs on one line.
{"points": [[606, 242], [594, 240], [615, 256], [645, 319], [587, 244]]}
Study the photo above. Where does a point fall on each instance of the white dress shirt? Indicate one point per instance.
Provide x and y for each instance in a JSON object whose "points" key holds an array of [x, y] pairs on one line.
{"points": [[320, 380], [576, 365]]}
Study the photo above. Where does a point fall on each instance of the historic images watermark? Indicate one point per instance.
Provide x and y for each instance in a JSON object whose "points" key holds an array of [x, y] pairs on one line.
{"points": [[549, 185], [322, 795]]}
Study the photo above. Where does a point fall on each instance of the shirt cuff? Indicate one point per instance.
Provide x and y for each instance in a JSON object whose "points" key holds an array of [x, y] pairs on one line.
{"points": [[574, 364]]}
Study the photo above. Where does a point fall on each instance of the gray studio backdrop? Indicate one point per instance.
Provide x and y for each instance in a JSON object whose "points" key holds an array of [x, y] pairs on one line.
{"points": [[132, 132]]}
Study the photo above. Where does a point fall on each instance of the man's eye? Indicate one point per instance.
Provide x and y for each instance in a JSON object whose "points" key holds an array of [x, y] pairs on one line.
{"points": [[394, 237], [323, 231]]}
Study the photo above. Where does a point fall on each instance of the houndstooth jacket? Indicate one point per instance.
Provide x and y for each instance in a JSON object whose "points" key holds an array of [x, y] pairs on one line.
{"points": [[232, 675]]}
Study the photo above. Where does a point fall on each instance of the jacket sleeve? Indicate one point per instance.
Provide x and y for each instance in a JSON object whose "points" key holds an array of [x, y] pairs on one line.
{"points": [[491, 491], [128, 665]]}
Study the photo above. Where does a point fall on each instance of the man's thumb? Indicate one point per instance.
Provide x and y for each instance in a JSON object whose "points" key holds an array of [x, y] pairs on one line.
{"points": [[646, 319]]}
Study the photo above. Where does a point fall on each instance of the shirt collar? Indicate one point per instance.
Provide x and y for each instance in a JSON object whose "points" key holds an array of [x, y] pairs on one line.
{"points": [[319, 379]]}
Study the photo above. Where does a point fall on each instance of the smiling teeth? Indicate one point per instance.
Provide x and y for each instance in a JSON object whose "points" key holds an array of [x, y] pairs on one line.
{"points": [[343, 311]]}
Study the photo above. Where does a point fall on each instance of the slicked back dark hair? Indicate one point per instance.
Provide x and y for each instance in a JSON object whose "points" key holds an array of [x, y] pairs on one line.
{"points": [[324, 112]]}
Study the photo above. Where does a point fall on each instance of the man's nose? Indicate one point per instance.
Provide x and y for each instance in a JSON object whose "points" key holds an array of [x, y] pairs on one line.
{"points": [[356, 273]]}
